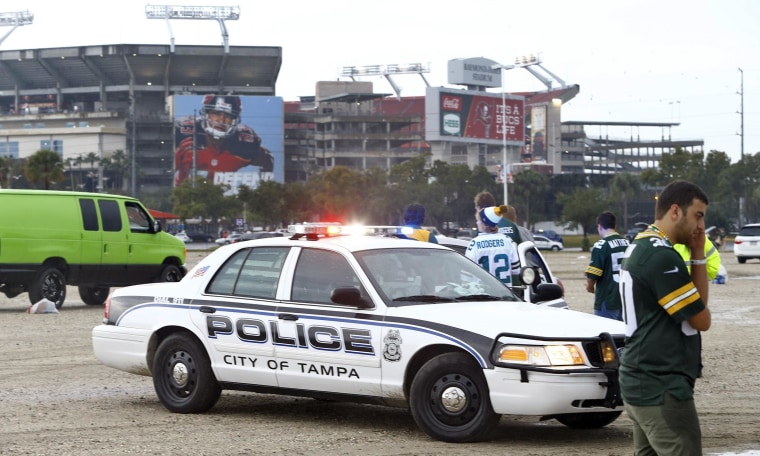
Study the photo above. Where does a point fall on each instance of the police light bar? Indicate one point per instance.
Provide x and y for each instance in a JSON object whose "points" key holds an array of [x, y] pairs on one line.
{"points": [[319, 229]]}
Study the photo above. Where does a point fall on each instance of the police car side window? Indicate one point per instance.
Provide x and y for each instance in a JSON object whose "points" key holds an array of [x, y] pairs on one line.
{"points": [[250, 273], [318, 272], [226, 277], [260, 272]]}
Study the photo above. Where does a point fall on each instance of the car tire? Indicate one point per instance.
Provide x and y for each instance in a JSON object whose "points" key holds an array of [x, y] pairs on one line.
{"points": [[741, 260], [182, 375], [93, 296], [591, 420], [555, 248], [449, 400], [170, 273], [50, 284]]}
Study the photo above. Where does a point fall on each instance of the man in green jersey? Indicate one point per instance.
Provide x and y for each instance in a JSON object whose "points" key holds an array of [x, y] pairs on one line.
{"points": [[603, 272], [664, 308]]}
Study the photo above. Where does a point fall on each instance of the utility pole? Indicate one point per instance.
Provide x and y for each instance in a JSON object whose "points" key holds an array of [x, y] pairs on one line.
{"points": [[741, 112]]}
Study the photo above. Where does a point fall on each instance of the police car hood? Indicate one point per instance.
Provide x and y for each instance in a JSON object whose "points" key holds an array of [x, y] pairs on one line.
{"points": [[492, 318]]}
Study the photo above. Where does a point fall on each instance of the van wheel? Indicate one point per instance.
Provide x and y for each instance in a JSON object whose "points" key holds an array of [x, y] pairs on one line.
{"points": [[93, 296], [50, 284], [170, 273]]}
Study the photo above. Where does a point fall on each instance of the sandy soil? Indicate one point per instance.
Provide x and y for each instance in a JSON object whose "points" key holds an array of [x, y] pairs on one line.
{"points": [[55, 398]]}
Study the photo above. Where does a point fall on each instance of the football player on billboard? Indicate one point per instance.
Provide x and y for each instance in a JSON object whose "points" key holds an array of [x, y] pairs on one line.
{"points": [[221, 144]]}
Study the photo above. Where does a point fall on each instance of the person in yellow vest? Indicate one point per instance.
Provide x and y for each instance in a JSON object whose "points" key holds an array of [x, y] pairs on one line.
{"points": [[712, 257], [414, 217]]}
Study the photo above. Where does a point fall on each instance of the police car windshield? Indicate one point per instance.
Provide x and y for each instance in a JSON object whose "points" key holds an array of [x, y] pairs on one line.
{"points": [[417, 276]]}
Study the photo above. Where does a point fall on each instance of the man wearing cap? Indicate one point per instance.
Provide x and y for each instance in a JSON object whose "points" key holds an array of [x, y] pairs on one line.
{"points": [[414, 217], [494, 251]]}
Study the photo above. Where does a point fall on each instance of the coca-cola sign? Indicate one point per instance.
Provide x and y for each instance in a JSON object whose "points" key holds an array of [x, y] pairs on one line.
{"points": [[451, 103]]}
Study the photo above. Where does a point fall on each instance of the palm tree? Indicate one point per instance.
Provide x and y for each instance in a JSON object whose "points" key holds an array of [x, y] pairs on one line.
{"points": [[44, 166], [625, 186]]}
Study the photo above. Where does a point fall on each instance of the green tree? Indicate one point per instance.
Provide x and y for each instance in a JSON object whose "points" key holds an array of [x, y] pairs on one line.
{"points": [[528, 192], [267, 203], [205, 200], [44, 166], [625, 187], [581, 208]]}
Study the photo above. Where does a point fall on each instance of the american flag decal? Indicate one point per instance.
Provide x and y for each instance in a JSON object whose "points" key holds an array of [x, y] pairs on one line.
{"points": [[200, 271]]}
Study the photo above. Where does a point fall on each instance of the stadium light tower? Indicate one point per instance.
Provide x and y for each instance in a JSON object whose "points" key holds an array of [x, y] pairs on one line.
{"points": [[216, 13], [387, 71], [15, 20]]}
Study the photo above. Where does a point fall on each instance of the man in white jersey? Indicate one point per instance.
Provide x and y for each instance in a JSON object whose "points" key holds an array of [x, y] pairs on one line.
{"points": [[493, 251]]}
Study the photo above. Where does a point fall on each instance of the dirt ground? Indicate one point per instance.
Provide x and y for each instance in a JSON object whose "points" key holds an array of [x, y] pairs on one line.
{"points": [[56, 398]]}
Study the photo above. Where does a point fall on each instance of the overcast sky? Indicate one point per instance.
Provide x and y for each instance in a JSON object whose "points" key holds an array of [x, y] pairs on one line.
{"points": [[647, 60]]}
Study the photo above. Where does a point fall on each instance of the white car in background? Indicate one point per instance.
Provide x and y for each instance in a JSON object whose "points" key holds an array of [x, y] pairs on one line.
{"points": [[544, 243], [747, 243], [368, 318]]}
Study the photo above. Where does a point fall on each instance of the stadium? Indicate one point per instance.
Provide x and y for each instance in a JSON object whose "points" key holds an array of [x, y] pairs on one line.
{"points": [[111, 111]]}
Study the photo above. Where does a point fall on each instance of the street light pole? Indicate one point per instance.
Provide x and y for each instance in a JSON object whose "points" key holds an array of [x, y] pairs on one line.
{"points": [[504, 138], [504, 166]]}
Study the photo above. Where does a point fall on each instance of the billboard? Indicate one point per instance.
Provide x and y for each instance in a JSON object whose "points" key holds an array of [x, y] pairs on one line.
{"points": [[469, 116], [538, 132], [228, 139]]}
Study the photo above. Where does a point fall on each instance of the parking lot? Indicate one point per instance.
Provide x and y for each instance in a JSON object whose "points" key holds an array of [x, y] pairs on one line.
{"points": [[57, 399]]}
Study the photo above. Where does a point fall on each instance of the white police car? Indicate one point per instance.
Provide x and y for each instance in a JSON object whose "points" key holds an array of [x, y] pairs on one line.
{"points": [[378, 319]]}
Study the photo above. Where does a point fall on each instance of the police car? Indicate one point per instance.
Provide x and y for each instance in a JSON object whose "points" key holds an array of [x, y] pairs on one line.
{"points": [[366, 318]]}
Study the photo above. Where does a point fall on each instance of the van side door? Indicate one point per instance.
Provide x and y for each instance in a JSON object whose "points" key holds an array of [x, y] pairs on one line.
{"points": [[88, 271], [114, 251]]}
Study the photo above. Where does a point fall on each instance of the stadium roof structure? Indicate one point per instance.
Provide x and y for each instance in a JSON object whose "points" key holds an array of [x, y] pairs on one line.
{"points": [[243, 70]]}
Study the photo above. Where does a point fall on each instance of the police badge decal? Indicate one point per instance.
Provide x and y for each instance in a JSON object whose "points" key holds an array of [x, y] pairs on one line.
{"points": [[392, 341]]}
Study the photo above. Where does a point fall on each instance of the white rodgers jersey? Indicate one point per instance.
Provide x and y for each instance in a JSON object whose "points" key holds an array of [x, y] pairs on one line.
{"points": [[497, 254]]}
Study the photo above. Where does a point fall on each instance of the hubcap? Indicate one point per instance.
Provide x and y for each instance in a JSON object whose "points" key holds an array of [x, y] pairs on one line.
{"points": [[453, 399], [180, 374]]}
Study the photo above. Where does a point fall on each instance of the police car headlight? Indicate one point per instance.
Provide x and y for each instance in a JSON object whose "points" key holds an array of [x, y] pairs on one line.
{"points": [[541, 355]]}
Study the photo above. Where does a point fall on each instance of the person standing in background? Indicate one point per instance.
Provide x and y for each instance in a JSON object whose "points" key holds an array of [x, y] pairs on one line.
{"points": [[506, 225], [414, 217], [603, 272], [494, 251]]}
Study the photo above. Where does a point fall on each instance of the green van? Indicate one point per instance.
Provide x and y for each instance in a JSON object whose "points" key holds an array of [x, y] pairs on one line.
{"points": [[51, 239]]}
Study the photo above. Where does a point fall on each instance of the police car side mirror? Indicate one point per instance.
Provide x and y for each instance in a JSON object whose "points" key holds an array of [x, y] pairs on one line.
{"points": [[349, 296], [547, 292]]}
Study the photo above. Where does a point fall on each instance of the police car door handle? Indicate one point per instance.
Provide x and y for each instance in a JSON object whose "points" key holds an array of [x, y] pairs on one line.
{"points": [[289, 317], [207, 309]]}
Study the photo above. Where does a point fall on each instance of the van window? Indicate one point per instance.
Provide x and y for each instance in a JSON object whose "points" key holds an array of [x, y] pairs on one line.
{"points": [[89, 215], [109, 212], [139, 221]]}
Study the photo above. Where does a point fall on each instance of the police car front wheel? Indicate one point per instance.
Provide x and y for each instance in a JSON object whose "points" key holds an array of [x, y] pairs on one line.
{"points": [[182, 375], [449, 400]]}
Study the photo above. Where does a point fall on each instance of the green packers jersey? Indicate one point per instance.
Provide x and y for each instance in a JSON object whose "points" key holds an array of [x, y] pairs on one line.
{"points": [[604, 268], [662, 350]]}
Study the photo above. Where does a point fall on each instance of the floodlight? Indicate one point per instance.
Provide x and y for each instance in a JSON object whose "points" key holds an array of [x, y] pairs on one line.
{"points": [[17, 18], [215, 13], [14, 20]]}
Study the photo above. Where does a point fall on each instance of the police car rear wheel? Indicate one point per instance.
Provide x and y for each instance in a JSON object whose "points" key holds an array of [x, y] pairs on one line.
{"points": [[182, 375], [449, 400]]}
